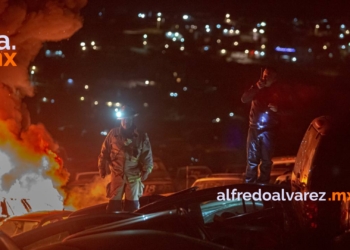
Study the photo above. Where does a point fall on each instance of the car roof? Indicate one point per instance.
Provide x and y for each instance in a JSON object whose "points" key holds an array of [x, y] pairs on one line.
{"points": [[219, 179], [39, 215]]}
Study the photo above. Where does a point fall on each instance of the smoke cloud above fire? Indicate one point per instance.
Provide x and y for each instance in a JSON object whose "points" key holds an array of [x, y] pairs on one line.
{"points": [[29, 166]]}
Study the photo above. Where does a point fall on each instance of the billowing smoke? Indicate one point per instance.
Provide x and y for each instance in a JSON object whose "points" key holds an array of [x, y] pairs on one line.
{"points": [[28, 162]]}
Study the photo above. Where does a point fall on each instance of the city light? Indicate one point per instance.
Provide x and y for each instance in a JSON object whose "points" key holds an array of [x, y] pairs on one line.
{"points": [[145, 36], [174, 39], [232, 114], [82, 44], [294, 59], [82, 98], [182, 48], [342, 26], [185, 17], [235, 43], [70, 81], [263, 24], [261, 31], [218, 41], [141, 15], [255, 30], [92, 43], [178, 80], [225, 31], [223, 51], [324, 47], [104, 133], [146, 82], [32, 72], [218, 26], [262, 53], [317, 26], [343, 46], [166, 46], [184, 89], [52, 100], [118, 114], [227, 15], [109, 104], [347, 32], [237, 32], [86, 86], [96, 103], [341, 35], [159, 19], [33, 67], [207, 30], [159, 14], [182, 40], [175, 74], [246, 51], [144, 43], [281, 49], [263, 46], [117, 104], [309, 50], [83, 48], [44, 99], [206, 48], [145, 105]]}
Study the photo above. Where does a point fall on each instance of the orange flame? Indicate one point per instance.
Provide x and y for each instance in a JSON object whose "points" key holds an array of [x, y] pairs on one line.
{"points": [[89, 195], [30, 169]]}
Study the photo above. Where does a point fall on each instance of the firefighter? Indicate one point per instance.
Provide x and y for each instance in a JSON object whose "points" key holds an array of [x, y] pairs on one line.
{"points": [[126, 154]]}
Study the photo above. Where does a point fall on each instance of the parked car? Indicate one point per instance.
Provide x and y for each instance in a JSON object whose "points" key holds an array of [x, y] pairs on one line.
{"points": [[135, 239], [217, 180], [56, 232], [322, 165], [19, 224], [281, 165], [186, 176], [233, 223]]}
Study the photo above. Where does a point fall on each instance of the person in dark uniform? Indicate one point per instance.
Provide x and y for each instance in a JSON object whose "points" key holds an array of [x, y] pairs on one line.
{"points": [[269, 100]]}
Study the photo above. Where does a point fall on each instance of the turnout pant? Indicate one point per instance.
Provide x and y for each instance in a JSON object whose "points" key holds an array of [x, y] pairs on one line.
{"points": [[260, 148], [120, 185]]}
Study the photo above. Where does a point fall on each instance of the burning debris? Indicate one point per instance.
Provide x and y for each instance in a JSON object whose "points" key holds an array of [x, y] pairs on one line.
{"points": [[29, 166]]}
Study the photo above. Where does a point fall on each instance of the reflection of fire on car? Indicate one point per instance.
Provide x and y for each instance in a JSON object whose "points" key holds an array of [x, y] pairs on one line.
{"points": [[19, 224], [185, 176], [218, 180], [322, 165], [281, 165]]}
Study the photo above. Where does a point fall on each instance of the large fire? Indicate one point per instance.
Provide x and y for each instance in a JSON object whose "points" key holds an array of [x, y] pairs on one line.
{"points": [[29, 167]]}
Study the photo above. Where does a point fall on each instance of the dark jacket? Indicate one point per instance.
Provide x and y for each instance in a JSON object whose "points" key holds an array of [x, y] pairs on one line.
{"points": [[126, 156], [261, 117]]}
